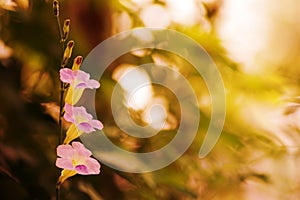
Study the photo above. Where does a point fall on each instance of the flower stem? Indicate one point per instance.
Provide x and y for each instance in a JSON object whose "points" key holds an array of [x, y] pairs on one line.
{"points": [[59, 28], [61, 102], [62, 90], [57, 192], [56, 13]]}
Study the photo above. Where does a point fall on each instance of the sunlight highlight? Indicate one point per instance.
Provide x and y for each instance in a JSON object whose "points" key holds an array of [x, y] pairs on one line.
{"points": [[186, 12], [151, 18], [129, 77], [139, 96]]}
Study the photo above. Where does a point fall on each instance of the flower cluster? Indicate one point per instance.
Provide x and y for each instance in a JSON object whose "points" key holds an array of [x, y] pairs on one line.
{"points": [[74, 158]]}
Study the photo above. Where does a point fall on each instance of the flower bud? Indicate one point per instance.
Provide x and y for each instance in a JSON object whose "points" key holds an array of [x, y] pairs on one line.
{"points": [[68, 53], [77, 62], [66, 30], [55, 8]]}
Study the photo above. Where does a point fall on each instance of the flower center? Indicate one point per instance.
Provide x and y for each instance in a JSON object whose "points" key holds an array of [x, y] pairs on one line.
{"points": [[81, 118], [81, 168]]}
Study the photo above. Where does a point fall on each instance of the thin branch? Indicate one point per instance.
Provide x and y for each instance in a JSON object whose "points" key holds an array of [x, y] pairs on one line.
{"points": [[57, 192], [56, 14], [62, 90]]}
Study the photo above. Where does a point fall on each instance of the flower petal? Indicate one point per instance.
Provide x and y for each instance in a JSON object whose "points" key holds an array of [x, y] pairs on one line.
{"points": [[96, 124], [66, 75], [81, 115], [81, 85], [64, 163], [93, 84], [69, 116], [68, 108], [93, 166], [82, 169], [81, 150], [86, 127], [65, 151], [82, 76]]}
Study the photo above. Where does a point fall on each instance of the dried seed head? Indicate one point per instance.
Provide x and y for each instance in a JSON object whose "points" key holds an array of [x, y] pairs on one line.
{"points": [[66, 30], [55, 8], [68, 52]]}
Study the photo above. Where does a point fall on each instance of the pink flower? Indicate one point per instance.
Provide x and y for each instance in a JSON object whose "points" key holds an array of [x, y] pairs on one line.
{"points": [[77, 158], [78, 79], [81, 119]]}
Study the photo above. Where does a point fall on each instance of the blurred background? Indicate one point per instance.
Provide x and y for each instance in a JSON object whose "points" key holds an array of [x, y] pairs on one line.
{"points": [[255, 45]]}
